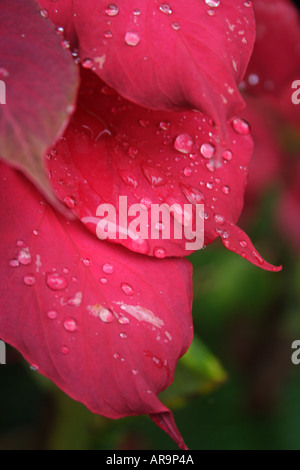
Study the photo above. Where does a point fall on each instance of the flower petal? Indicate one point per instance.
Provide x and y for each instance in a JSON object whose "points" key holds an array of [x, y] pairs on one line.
{"points": [[169, 56], [276, 53], [106, 325], [114, 148], [41, 82]]}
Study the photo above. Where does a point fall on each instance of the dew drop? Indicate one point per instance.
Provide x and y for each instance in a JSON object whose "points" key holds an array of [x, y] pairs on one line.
{"points": [[14, 263], [248, 3], [158, 363], [132, 38], [52, 314], [154, 176], [106, 315], [55, 281], [108, 34], [166, 9], [227, 155], [243, 243], [44, 13], [24, 256], [87, 63], [128, 178], [175, 26], [207, 150], [69, 202], [212, 3], [86, 261], [65, 350], [183, 143], [123, 320], [127, 288], [241, 126], [111, 10], [159, 252], [123, 335], [136, 12], [219, 218], [29, 279], [70, 324], [225, 189], [135, 371], [193, 195], [108, 268], [253, 79], [187, 171]]}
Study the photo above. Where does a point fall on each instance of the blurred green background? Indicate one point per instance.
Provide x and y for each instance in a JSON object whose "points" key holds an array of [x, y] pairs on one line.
{"points": [[235, 389]]}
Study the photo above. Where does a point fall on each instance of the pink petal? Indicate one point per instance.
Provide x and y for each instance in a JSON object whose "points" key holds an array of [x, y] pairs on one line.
{"points": [[169, 56], [276, 53], [114, 148], [106, 325], [41, 82]]}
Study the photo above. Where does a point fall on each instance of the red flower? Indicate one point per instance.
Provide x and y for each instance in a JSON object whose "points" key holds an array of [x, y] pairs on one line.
{"points": [[105, 324]]}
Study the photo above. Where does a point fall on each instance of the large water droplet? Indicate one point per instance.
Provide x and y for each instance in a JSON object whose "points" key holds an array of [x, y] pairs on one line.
{"points": [[193, 195], [44, 13], [153, 175], [124, 321], [52, 314], [159, 252], [127, 288], [184, 143], [111, 10], [29, 279], [132, 38], [207, 150], [70, 324], [241, 126], [55, 281], [24, 256], [106, 315], [212, 3], [227, 155], [166, 9], [108, 268]]}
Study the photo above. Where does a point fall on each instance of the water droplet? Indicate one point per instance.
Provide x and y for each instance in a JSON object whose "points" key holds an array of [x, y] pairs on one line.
{"points": [[132, 38], [76, 300], [166, 9], [65, 350], [108, 268], [153, 175], [253, 79], [34, 367], [211, 12], [86, 261], [158, 363], [248, 3], [219, 218], [212, 3], [111, 10], [123, 335], [193, 195], [128, 178], [136, 12], [44, 13], [227, 155], [159, 252], [187, 171], [70, 324], [175, 26], [108, 34], [258, 258], [87, 63], [127, 288], [241, 126], [29, 279], [123, 320], [24, 256], [35, 232], [52, 314], [60, 30], [116, 356], [243, 243], [207, 150], [14, 263], [106, 315], [146, 202], [225, 189], [20, 243], [133, 152], [164, 125], [69, 202], [183, 143], [55, 281], [135, 371]]}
